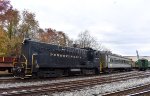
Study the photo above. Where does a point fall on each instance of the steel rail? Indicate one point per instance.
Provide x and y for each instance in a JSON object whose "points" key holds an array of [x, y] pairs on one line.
{"points": [[63, 86]]}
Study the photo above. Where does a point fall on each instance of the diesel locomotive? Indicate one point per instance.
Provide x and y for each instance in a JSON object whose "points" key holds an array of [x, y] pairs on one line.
{"points": [[47, 60], [39, 59], [142, 64]]}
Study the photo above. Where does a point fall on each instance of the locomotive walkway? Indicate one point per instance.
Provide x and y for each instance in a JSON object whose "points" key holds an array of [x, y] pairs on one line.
{"points": [[70, 85]]}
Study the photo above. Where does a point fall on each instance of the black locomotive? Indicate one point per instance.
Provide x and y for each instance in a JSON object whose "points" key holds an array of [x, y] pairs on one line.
{"points": [[46, 60], [39, 59]]}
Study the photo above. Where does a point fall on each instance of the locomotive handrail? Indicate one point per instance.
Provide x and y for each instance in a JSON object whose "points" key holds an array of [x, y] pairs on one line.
{"points": [[22, 62], [100, 66], [3, 59], [25, 63], [32, 61]]}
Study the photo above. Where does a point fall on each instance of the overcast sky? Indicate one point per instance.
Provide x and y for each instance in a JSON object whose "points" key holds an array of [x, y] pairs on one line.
{"points": [[123, 26]]}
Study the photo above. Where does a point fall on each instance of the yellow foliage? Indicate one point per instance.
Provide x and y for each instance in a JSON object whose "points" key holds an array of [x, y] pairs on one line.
{"points": [[9, 47], [3, 42]]}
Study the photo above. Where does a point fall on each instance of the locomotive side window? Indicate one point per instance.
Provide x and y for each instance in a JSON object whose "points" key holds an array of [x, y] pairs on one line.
{"points": [[112, 60], [123, 61], [109, 59], [90, 56]]}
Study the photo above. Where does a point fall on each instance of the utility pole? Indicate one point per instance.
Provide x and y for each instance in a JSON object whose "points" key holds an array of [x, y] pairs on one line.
{"points": [[137, 54]]}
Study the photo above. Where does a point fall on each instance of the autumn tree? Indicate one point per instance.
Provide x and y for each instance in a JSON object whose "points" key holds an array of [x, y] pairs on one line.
{"points": [[15, 26], [11, 22], [62, 38], [46, 35], [53, 37], [70, 42], [86, 40], [4, 6], [29, 25], [3, 42]]}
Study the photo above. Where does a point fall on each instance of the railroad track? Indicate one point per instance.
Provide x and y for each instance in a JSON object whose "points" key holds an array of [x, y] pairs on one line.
{"points": [[18, 80], [142, 93], [68, 85], [132, 91]]}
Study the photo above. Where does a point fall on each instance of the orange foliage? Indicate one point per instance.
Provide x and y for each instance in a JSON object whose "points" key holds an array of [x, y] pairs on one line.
{"points": [[54, 37]]}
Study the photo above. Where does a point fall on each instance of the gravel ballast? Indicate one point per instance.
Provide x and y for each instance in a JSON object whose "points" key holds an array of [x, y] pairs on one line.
{"points": [[98, 90]]}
